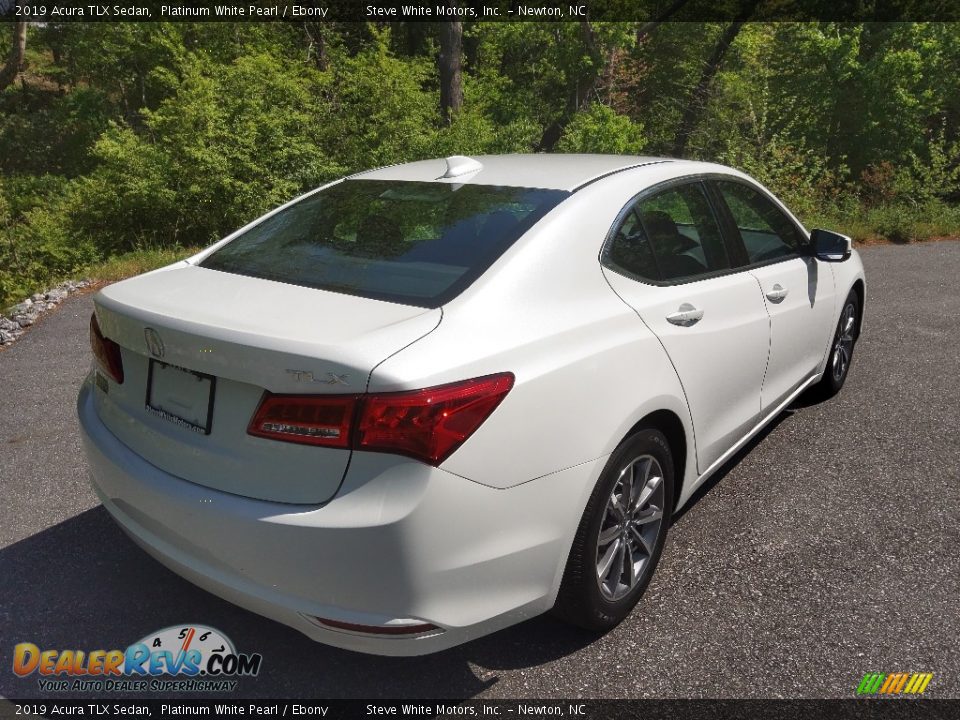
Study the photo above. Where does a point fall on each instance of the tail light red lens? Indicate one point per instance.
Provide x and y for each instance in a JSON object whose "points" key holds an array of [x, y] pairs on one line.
{"points": [[313, 420], [428, 424], [106, 351]]}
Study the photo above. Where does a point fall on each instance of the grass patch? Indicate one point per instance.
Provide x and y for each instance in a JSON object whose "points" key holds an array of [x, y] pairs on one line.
{"points": [[133, 263], [109, 270], [897, 223]]}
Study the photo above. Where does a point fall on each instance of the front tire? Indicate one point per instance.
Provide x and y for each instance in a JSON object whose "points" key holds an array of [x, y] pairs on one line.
{"points": [[621, 535], [841, 349]]}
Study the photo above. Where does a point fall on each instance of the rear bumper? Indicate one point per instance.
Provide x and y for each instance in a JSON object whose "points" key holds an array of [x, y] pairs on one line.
{"points": [[399, 540]]}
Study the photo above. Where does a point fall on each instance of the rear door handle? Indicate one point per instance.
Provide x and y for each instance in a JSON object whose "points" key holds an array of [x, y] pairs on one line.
{"points": [[685, 316], [777, 293]]}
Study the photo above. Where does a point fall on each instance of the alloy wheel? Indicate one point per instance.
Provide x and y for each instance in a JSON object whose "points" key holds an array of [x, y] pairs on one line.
{"points": [[630, 528], [843, 344]]}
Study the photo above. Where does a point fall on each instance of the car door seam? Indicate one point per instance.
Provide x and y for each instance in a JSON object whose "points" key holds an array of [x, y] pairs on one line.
{"points": [[686, 402], [766, 366]]}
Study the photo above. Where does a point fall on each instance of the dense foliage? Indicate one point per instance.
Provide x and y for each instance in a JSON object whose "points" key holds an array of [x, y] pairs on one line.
{"points": [[121, 137]]}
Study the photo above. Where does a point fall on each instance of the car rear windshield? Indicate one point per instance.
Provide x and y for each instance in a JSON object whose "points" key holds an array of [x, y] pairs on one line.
{"points": [[417, 243]]}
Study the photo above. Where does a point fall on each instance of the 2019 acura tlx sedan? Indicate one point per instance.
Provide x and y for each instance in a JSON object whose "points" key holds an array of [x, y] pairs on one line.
{"points": [[428, 401]]}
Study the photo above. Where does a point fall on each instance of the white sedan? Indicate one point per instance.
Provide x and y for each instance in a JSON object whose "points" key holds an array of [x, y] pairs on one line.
{"points": [[431, 400]]}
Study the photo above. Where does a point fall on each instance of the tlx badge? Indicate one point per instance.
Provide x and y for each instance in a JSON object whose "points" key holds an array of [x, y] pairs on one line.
{"points": [[331, 378]]}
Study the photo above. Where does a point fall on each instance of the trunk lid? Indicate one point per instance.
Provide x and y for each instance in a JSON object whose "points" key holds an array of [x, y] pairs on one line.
{"points": [[200, 344]]}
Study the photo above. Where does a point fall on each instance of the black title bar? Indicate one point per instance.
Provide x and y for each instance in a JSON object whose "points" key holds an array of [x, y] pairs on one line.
{"points": [[576, 709], [474, 11]]}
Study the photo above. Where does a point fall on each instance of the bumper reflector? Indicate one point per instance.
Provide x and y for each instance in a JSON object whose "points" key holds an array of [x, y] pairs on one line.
{"points": [[404, 627]]}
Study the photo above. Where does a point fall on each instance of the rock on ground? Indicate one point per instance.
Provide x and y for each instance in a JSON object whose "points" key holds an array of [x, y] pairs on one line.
{"points": [[26, 313]]}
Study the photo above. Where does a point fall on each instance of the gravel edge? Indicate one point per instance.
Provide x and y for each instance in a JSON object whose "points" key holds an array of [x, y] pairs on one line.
{"points": [[24, 314]]}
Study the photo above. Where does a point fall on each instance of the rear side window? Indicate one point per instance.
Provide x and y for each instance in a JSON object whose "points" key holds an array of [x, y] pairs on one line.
{"points": [[630, 249], [671, 236], [415, 243], [767, 233]]}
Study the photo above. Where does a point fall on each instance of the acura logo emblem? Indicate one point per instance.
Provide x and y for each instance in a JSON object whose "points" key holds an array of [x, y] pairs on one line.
{"points": [[154, 343]]}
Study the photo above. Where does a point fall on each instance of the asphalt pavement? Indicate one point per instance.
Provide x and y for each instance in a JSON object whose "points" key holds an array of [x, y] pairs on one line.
{"points": [[829, 548]]}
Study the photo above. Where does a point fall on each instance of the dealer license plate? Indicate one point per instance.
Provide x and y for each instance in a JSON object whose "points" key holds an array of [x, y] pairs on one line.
{"points": [[183, 397]]}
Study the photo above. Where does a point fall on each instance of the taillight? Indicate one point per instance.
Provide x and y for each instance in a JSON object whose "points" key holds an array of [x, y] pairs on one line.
{"points": [[309, 419], [424, 424], [106, 351], [429, 424]]}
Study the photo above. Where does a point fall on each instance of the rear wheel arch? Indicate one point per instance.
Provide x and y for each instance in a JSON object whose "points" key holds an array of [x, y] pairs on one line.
{"points": [[669, 423]]}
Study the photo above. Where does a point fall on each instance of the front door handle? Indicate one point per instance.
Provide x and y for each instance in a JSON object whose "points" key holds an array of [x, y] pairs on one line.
{"points": [[685, 316], [777, 293]]}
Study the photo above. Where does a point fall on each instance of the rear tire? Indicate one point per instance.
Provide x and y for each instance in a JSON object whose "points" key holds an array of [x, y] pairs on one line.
{"points": [[841, 349], [621, 535]]}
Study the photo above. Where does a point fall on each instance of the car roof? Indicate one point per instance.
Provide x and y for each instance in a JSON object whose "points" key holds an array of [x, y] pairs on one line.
{"points": [[555, 171]]}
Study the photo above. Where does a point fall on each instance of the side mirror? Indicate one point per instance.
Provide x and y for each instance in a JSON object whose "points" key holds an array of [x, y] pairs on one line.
{"points": [[830, 246]]}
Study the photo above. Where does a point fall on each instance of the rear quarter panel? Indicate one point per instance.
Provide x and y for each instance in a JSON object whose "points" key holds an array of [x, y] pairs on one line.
{"points": [[587, 368]]}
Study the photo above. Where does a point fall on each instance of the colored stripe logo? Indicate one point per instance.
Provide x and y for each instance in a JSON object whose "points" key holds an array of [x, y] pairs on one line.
{"points": [[894, 683]]}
